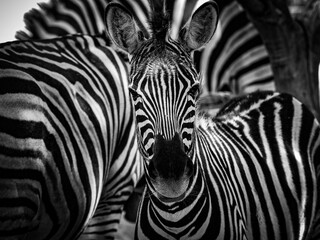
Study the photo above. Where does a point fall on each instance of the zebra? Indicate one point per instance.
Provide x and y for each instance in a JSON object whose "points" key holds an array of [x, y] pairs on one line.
{"points": [[236, 61], [68, 150], [250, 172]]}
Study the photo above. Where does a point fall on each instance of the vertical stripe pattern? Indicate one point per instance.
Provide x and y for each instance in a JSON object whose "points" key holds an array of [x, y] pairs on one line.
{"points": [[254, 169], [256, 176]]}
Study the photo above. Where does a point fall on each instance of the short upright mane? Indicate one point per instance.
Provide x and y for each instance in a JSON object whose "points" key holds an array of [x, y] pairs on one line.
{"points": [[160, 18]]}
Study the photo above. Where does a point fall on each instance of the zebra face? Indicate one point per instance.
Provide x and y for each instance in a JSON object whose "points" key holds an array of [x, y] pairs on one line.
{"points": [[164, 87]]}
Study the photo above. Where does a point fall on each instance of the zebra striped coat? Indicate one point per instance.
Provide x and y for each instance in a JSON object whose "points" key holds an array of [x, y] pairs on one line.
{"points": [[257, 166], [235, 61], [251, 172], [68, 149]]}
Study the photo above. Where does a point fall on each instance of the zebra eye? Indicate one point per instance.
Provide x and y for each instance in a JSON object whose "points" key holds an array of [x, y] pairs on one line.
{"points": [[194, 91]]}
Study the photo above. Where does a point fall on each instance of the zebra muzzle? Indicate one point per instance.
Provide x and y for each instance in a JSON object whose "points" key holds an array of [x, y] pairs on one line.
{"points": [[170, 162]]}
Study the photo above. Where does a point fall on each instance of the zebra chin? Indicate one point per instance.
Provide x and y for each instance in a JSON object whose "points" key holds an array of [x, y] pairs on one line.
{"points": [[171, 169]]}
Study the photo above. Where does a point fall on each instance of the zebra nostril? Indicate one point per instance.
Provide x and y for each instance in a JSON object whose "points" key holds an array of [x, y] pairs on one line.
{"points": [[169, 160]]}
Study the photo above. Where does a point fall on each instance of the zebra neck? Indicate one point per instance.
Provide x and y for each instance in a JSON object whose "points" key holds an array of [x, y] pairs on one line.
{"points": [[174, 220]]}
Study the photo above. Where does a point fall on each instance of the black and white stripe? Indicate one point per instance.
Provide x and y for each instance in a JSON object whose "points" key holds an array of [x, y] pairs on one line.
{"points": [[234, 61], [68, 149], [250, 172], [163, 112], [63, 17], [256, 176]]}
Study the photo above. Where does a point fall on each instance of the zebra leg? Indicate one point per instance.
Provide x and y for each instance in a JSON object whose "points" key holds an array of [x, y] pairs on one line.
{"points": [[106, 219], [132, 205]]}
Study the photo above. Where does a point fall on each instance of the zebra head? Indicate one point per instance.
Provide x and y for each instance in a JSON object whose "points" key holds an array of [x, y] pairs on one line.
{"points": [[164, 86]]}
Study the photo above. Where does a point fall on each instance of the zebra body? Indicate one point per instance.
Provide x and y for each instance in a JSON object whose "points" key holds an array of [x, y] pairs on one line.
{"points": [[251, 172], [256, 176], [68, 151]]}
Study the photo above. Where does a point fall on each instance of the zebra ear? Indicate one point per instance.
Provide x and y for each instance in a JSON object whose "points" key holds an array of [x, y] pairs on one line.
{"points": [[200, 29], [121, 27]]}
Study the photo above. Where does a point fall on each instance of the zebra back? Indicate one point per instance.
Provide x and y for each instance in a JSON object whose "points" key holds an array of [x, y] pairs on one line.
{"points": [[64, 17], [270, 145], [68, 150]]}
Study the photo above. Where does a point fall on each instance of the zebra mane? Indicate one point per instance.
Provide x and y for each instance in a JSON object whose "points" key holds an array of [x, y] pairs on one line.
{"points": [[160, 18], [56, 18]]}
